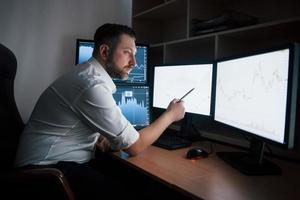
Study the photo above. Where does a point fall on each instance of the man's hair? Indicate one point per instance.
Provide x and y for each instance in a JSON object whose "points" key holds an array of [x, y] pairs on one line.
{"points": [[109, 34]]}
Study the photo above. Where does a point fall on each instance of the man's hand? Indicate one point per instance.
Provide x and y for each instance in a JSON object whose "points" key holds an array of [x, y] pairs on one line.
{"points": [[176, 109], [103, 144]]}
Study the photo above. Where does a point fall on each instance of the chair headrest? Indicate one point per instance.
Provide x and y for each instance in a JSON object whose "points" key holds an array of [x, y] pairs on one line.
{"points": [[8, 63]]}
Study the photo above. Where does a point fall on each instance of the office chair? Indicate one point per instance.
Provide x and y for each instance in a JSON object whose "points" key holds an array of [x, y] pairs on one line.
{"points": [[41, 183]]}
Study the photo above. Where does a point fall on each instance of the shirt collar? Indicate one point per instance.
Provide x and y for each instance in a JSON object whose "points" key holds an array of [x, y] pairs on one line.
{"points": [[107, 79]]}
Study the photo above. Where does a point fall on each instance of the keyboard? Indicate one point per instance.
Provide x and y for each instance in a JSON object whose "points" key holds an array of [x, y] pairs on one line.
{"points": [[171, 142]]}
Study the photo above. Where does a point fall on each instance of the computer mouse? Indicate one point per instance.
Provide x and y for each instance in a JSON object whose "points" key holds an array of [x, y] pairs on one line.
{"points": [[196, 152]]}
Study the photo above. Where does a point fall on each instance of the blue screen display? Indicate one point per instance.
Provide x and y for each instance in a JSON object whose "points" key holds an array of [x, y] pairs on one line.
{"points": [[85, 51], [137, 75], [139, 72], [134, 104]]}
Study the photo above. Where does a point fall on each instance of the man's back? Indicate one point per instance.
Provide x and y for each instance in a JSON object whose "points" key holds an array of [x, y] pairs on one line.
{"points": [[55, 131]]}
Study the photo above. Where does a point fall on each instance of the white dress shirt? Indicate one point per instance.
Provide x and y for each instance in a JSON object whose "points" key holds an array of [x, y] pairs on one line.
{"points": [[69, 117]]}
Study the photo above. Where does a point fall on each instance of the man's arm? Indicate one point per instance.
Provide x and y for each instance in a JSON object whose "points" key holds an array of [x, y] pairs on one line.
{"points": [[148, 135]]}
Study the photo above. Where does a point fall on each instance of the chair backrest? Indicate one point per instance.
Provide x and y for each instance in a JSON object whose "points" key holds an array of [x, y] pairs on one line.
{"points": [[46, 183], [11, 124]]}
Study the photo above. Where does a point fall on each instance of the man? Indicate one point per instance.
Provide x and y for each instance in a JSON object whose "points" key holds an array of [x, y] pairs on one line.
{"points": [[78, 108]]}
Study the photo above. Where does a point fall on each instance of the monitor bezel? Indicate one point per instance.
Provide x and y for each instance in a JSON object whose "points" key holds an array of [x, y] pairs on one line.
{"points": [[292, 87]]}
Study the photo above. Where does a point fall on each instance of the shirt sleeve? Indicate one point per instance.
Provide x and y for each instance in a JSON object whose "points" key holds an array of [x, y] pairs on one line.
{"points": [[98, 109]]}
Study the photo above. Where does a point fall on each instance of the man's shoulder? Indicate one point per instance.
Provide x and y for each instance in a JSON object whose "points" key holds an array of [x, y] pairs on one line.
{"points": [[89, 76]]}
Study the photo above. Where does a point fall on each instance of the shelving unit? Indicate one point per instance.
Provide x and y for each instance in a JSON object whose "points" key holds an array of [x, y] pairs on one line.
{"points": [[166, 26]]}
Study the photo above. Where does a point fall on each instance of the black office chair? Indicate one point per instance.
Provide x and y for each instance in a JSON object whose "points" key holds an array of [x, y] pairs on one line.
{"points": [[42, 183]]}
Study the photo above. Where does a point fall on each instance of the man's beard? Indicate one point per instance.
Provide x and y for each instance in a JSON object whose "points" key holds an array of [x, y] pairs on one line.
{"points": [[114, 71]]}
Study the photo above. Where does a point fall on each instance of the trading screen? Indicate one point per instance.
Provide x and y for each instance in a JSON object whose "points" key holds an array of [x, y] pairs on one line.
{"points": [[251, 93], [138, 73], [175, 81], [134, 103]]}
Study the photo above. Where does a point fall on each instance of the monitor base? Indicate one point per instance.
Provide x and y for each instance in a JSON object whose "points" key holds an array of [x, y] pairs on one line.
{"points": [[248, 164]]}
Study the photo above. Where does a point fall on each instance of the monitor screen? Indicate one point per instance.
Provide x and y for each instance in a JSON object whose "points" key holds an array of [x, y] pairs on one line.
{"points": [[84, 51], [257, 94], [134, 104], [252, 93], [174, 81], [139, 73]]}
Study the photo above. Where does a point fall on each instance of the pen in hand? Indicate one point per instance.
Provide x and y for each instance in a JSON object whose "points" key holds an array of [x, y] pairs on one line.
{"points": [[186, 94]]}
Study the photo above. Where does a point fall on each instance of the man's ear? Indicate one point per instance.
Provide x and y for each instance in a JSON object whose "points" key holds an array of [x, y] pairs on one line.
{"points": [[103, 51]]}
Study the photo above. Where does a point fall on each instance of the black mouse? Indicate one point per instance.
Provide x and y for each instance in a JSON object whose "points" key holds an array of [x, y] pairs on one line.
{"points": [[196, 152]]}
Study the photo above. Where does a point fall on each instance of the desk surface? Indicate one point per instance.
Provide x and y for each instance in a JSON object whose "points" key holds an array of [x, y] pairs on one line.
{"points": [[211, 178]]}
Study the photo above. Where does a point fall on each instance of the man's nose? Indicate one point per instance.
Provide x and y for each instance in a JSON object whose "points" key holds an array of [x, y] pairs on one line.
{"points": [[133, 61]]}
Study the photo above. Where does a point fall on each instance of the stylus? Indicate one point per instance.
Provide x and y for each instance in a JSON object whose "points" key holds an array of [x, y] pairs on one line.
{"points": [[186, 94]]}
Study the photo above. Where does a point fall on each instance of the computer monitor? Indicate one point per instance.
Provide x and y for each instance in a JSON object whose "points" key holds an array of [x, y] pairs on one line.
{"points": [[134, 104], [257, 94], [84, 51], [174, 81], [138, 74]]}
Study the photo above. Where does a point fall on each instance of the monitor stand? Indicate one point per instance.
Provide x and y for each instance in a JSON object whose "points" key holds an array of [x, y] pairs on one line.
{"points": [[252, 162], [187, 130]]}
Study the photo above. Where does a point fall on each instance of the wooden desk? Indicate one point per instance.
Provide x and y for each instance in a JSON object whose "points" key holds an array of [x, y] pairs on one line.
{"points": [[211, 178]]}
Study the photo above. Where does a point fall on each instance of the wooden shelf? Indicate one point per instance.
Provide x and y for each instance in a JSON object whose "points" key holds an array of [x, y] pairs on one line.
{"points": [[166, 11]]}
